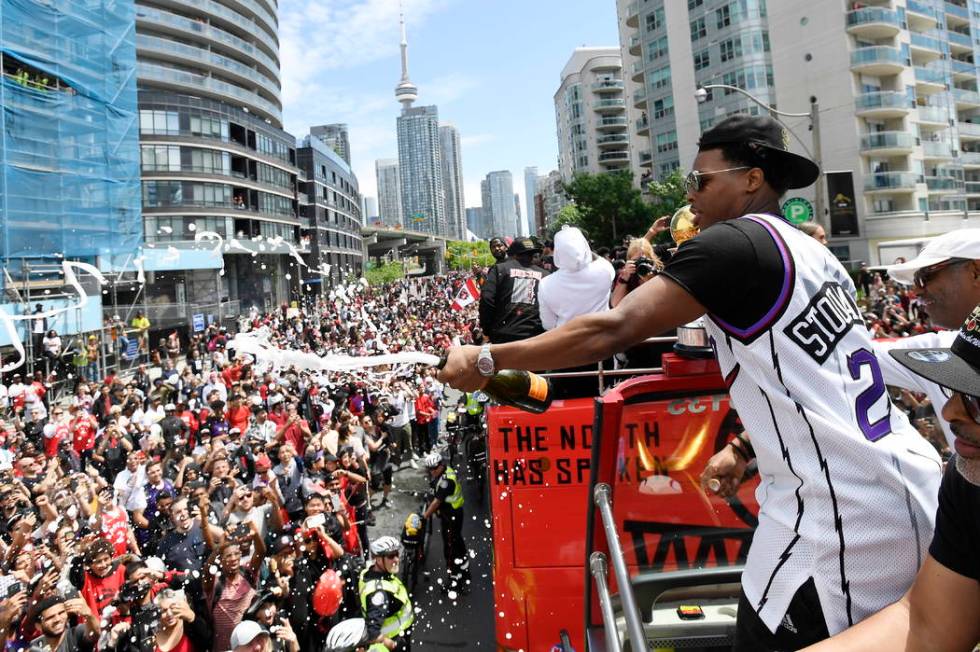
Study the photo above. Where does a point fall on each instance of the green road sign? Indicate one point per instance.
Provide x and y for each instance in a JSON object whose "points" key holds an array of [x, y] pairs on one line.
{"points": [[798, 210]]}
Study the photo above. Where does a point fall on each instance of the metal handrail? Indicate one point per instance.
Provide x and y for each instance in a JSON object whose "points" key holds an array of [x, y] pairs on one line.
{"points": [[600, 567], [602, 495]]}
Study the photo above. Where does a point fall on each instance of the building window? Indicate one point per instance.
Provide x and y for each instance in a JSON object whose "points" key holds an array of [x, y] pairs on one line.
{"points": [[657, 48], [161, 123], [668, 167], [701, 59], [663, 107], [208, 127], [723, 16], [161, 158], [667, 142], [655, 19], [693, 4], [698, 29], [730, 49], [660, 78]]}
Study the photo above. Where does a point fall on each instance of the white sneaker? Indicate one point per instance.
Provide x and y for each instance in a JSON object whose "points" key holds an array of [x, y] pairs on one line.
{"points": [[413, 464], [415, 456]]}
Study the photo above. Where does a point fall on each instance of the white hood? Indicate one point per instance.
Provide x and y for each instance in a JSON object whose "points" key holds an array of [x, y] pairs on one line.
{"points": [[572, 252]]}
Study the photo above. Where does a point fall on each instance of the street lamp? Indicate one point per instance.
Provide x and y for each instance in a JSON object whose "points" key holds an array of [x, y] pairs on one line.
{"points": [[701, 95]]}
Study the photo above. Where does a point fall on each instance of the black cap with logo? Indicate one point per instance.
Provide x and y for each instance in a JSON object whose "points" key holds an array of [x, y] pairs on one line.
{"points": [[958, 367]]}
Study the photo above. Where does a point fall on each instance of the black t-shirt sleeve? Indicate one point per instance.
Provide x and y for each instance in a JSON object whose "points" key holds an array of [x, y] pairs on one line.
{"points": [[734, 269], [957, 536]]}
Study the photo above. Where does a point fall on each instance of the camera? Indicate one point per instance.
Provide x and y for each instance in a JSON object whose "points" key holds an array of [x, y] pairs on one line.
{"points": [[645, 266]]}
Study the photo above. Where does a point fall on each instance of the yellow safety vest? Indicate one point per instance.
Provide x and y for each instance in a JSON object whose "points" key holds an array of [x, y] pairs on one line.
{"points": [[473, 406], [456, 499], [396, 625]]}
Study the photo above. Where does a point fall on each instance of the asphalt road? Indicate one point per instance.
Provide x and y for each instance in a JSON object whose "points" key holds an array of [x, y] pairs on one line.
{"points": [[441, 623]]}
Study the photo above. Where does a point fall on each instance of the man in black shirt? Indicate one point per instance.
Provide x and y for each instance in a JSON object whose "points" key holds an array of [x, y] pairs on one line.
{"points": [[942, 609], [509, 298]]}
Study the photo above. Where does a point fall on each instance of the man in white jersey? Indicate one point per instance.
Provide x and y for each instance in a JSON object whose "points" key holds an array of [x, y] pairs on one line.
{"points": [[848, 488]]}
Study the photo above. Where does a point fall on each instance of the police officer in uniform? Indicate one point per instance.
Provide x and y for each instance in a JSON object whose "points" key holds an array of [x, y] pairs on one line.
{"points": [[448, 502], [385, 602]]}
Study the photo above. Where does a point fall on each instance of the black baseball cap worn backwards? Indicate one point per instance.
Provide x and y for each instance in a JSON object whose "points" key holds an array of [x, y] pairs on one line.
{"points": [[523, 246], [958, 367], [770, 142]]}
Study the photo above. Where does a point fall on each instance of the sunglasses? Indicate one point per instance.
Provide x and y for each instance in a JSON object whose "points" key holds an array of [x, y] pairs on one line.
{"points": [[693, 183], [972, 405], [922, 276]]}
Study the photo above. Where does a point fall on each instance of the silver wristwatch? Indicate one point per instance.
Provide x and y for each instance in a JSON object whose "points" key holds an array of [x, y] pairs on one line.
{"points": [[484, 362]]}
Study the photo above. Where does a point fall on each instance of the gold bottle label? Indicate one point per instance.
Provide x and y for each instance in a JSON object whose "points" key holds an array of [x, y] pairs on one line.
{"points": [[538, 390]]}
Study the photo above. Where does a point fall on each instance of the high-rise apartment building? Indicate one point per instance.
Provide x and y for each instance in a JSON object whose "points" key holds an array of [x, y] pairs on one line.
{"points": [[332, 215], [420, 170], [591, 113], [452, 181], [895, 82], [215, 157], [530, 190], [498, 204], [475, 223], [552, 197], [336, 137], [369, 209], [521, 227], [389, 195]]}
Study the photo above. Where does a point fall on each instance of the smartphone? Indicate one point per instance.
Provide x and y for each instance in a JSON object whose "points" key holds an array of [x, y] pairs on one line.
{"points": [[335, 503], [14, 588], [316, 521]]}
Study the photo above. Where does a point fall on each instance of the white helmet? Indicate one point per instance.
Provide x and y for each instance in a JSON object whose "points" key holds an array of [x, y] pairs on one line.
{"points": [[384, 546], [346, 635], [432, 460]]}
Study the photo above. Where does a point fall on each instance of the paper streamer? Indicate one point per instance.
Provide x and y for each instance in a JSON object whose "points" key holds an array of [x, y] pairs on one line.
{"points": [[257, 345], [68, 268]]}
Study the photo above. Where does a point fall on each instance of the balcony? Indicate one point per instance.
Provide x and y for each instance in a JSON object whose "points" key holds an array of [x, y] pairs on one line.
{"points": [[933, 115], [640, 99], [609, 106], [957, 13], [878, 60], [614, 158], [634, 48], [883, 104], [920, 16], [638, 70], [608, 86], [613, 140], [973, 187], [646, 159], [888, 143], [891, 182], [966, 98], [643, 126], [958, 40], [611, 124], [936, 150], [943, 184], [633, 14], [873, 22], [929, 80], [968, 130], [970, 159], [925, 48], [965, 68]]}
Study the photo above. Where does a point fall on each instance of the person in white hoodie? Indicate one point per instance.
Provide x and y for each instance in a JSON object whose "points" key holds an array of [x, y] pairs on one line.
{"points": [[580, 286]]}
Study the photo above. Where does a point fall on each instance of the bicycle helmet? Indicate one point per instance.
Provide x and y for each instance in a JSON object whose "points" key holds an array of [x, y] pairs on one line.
{"points": [[346, 635], [384, 546], [432, 460]]}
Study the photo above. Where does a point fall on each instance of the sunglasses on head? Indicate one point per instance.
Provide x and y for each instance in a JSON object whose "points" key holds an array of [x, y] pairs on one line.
{"points": [[693, 183], [922, 276]]}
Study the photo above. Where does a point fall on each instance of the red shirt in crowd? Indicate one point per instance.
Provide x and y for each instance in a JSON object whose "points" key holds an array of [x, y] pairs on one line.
{"points": [[115, 529], [83, 429], [425, 409], [238, 417], [99, 592]]}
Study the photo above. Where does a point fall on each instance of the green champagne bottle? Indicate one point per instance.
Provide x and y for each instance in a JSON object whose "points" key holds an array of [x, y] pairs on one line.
{"points": [[521, 389]]}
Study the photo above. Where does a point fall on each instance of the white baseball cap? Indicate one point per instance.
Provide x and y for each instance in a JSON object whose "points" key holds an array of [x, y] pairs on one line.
{"points": [[961, 243], [245, 632]]}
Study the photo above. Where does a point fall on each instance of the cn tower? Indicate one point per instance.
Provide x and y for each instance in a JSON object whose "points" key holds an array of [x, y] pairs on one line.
{"points": [[406, 92]]}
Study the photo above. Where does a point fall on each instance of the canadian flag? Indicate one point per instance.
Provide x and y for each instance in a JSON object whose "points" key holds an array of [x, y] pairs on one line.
{"points": [[467, 295]]}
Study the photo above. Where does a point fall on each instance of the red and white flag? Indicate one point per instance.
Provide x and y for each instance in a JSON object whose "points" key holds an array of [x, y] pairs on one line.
{"points": [[469, 293]]}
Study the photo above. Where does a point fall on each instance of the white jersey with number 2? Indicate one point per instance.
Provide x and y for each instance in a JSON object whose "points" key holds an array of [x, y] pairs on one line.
{"points": [[848, 489]]}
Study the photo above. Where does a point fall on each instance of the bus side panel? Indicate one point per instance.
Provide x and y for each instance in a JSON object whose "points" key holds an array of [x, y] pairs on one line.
{"points": [[539, 475]]}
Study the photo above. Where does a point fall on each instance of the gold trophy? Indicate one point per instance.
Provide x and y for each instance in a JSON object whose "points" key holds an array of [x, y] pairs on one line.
{"points": [[682, 227]]}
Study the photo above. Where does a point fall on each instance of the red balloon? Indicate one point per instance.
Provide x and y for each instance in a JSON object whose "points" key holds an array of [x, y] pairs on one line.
{"points": [[328, 593]]}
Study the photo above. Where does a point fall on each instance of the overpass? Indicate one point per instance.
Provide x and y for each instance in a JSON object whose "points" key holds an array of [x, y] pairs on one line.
{"points": [[397, 244]]}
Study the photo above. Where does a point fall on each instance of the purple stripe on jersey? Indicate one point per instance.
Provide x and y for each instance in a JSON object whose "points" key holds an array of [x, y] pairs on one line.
{"points": [[784, 295]]}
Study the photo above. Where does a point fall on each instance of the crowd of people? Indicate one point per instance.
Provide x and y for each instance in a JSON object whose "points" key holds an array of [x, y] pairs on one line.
{"points": [[202, 502]]}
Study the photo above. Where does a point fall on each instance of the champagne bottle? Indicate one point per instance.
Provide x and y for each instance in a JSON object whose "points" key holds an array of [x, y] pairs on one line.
{"points": [[521, 389]]}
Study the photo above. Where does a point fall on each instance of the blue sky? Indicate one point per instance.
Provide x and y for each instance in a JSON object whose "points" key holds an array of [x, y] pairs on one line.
{"points": [[492, 67]]}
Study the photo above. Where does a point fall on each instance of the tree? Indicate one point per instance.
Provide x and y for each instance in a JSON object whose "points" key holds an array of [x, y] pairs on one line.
{"points": [[378, 275], [461, 255], [609, 207], [569, 214]]}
